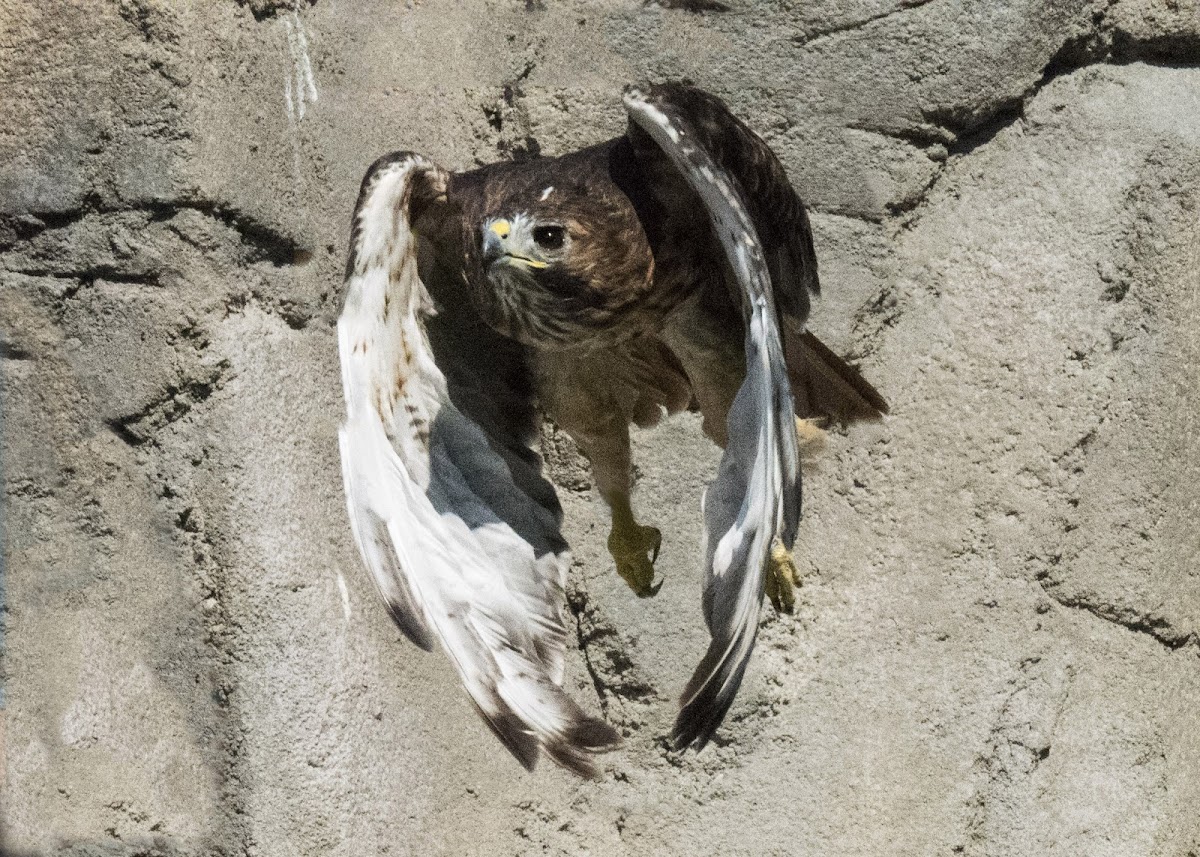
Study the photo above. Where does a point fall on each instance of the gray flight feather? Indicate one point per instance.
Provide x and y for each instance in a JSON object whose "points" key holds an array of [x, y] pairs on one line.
{"points": [[756, 495]]}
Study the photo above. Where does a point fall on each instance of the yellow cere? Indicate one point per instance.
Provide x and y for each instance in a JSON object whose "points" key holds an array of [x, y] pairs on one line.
{"points": [[501, 228]]}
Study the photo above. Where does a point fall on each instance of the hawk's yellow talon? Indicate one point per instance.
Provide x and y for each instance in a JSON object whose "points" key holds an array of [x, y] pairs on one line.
{"points": [[782, 578], [810, 439], [634, 548]]}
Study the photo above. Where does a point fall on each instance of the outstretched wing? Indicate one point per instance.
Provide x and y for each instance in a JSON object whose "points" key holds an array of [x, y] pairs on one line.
{"points": [[756, 495], [447, 504]]}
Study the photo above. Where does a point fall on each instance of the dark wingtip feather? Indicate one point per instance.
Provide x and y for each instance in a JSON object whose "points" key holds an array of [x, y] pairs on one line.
{"points": [[416, 632], [710, 692], [515, 735], [576, 750], [594, 735]]}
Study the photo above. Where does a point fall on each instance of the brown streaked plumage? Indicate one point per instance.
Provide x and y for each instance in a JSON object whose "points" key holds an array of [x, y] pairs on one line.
{"points": [[671, 266]]}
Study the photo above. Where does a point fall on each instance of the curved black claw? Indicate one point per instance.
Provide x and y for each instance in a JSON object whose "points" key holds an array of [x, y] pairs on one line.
{"points": [[634, 550]]}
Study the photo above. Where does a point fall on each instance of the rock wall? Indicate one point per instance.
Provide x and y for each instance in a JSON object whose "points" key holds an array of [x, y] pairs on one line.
{"points": [[995, 650]]}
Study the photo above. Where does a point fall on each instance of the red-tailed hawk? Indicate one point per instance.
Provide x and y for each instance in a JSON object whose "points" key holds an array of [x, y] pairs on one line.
{"points": [[667, 268]]}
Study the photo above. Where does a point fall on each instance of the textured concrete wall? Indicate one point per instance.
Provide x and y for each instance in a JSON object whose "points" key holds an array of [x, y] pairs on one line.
{"points": [[995, 650]]}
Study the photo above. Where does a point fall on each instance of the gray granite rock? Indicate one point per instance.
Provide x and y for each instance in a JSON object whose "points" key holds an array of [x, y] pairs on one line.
{"points": [[995, 648]]}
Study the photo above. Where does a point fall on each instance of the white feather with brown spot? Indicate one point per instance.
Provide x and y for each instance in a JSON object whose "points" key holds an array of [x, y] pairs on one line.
{"points": [[438, 546]]}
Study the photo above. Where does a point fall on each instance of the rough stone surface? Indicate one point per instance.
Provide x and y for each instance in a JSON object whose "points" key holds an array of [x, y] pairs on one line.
{"points": [[996, 646]]}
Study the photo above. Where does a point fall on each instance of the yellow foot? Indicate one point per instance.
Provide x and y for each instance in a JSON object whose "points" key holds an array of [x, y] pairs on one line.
{"points": [[782, 578], [811, 439], [635, 548]]}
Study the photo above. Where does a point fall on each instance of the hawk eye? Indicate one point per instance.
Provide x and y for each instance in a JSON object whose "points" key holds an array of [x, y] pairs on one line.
{"points": [[549, 237]]}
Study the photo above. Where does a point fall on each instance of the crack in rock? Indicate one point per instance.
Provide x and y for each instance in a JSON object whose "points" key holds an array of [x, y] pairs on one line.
{"points": [[620, 686], [12, 351], [508, 120], [960, 129], [846, 212], [265, 242], [1020, 740], [1157, 628], [189, 527], [562, 461], [696, 7], [265, 10], [84, 278], [139, 428], [809, 38]]}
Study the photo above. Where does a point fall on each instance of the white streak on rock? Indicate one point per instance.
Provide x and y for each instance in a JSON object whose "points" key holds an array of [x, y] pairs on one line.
{"points": [[341, 582], [300, 85], [287, 99]]}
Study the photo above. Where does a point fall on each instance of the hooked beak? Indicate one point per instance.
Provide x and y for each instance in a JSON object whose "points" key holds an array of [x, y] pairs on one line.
{"points": [[496, 247], [494, 240]]}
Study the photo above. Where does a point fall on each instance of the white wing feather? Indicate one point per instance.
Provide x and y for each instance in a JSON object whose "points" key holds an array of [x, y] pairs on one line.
{"points": [[756, 495], [435, 509]]}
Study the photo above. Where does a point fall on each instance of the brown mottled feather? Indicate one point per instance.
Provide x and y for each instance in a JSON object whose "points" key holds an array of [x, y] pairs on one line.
{"points": [[777, 211]]}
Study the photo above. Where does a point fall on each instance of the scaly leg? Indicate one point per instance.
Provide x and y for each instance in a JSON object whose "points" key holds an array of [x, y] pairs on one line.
{"points": [[782, 578], [591, 397], [634, 548], [811, 439]]}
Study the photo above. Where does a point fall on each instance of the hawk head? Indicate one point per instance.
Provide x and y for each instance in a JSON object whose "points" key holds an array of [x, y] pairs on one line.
{"points": [[558, 266], [536, 273], [523, 244]]}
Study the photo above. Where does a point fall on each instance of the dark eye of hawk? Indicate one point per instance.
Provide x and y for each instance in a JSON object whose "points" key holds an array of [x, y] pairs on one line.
{"points": [[550, 237]]}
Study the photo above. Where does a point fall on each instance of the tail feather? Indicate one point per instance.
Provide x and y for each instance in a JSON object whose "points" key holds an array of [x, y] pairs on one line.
{"points": [[825, 385]]}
